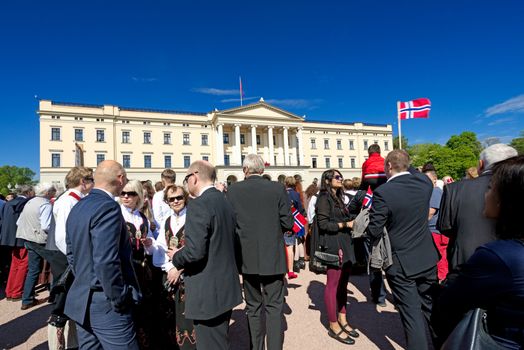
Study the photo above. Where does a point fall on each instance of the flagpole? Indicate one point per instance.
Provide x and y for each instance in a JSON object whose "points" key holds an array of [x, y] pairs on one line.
{"points": [[399, 126], [240, 81]]}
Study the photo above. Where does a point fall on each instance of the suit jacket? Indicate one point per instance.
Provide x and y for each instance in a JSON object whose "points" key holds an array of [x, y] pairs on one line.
{"points": [[402, 205], [8, 218], [99, 252], [263, 214], [461, 218], [208, 257]]}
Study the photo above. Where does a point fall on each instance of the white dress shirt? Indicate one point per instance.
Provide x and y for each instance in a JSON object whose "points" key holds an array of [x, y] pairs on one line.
{"points": [[398, 174], [61, 210], [161, 210], [160, 258]]}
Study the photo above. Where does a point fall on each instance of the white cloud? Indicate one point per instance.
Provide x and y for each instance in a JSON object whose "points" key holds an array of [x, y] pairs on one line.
{"points": [[500, 121], [294, 102], [515, 104], [146, 80], [238, 99], [216, 92]]}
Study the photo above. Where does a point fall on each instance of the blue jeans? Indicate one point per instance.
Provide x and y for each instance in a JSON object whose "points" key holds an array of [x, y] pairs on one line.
{"points": [[34, 262]]}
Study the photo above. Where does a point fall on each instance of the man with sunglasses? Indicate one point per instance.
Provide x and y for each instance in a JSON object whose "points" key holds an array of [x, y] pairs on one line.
{"points": [[208, 259], [105, 288]]}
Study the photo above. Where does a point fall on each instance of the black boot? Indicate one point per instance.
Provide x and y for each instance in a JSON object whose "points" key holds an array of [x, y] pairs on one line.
{"points": [[301, 263], [296, 266]]}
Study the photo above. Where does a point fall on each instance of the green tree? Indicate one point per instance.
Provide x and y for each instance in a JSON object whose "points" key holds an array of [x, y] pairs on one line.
{"points": [[405, 144], [518, 143], [467, 139], [13, 175]]}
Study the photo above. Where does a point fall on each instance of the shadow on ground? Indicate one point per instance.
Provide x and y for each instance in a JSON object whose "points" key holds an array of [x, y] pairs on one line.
{"points": [[364, 316], [18, 330]]}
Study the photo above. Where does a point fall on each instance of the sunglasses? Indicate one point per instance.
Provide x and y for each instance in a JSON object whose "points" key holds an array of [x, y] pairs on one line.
{"points": [[128, 193], [176, 198], [338, 177], [188, 176], [89, 179]]}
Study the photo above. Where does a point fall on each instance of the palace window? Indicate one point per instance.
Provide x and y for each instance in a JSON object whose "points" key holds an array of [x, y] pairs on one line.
{"points": [[226, 138], [79, 134], [147, 161], [313, 144], [147, 137], [126, 161], [100, 157], [328, 162], [340, 163], [242, 139], [353, 163], [167, 138], [314, 162], [206, 158], [365, 144], [205, 140], [386, 145], [126, 137], [55, 134], [167, 161], [55, 160], [351, 145], [100, 136], [185, 139], [258, 139], [187, 161], [339, 144], [326, 144], [226, 159]]}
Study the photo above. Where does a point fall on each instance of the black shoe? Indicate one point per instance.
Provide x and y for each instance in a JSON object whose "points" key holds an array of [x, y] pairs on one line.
{"points": [[351, 332], [302, 263], [31, 304], [348, 340], [296, 267]]}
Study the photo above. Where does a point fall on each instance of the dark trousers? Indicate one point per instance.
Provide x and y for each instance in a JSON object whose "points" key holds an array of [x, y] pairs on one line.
{"points": [[213, 334], [58, 262], [106, 329], [267, 292], [413, 298], [376, 282], [35, 259]]}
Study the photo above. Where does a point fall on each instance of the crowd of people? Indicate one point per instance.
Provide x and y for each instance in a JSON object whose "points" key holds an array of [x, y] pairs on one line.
{"points": [[138, 265]]}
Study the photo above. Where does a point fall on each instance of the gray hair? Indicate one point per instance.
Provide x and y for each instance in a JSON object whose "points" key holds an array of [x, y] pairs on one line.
{"points": [[496, 153], [43, 188], [24, 189], [254, 164]]}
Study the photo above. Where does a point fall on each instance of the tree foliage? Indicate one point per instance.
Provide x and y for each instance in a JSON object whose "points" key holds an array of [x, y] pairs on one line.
{"points": [[12, 176], [459, 153], [405, 144], [518, 143]]}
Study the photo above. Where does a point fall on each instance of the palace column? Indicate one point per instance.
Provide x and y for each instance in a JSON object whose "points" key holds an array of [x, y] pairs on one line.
{"points": [[271, 151], [220, 145], [254, 139], [286, 146], [300, 147], [238, 152]]}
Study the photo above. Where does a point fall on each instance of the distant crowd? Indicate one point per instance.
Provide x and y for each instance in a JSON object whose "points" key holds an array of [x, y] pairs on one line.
{"points": [[143, 265]]}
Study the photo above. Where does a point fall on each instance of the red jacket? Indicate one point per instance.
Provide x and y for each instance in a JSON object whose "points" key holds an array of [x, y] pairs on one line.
{"points": [[373, 165]]}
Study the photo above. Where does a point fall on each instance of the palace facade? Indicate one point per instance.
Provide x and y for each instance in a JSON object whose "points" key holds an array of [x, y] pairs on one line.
{"points": [[146, 141]]}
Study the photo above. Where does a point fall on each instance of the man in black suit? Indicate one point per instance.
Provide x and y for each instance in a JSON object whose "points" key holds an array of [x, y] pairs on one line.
{"points": [[208, 259], [401, 206], [461, 210], [105, 288], [263, 213]]}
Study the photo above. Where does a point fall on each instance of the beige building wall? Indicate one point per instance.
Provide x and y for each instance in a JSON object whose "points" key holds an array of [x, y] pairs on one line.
{"points": [[148, 139]]}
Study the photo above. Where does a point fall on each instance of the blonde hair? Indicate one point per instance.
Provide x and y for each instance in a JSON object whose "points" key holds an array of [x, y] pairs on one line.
{"points": [[290, 181], [76, 174], [136, 186]]}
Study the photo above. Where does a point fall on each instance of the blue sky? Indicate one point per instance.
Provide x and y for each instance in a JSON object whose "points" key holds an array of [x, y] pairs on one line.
{"points": [[328, 60]]}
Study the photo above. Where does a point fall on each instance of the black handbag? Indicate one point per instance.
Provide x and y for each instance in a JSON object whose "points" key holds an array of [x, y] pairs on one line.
{"points": [[471, 333], [327, 258]]}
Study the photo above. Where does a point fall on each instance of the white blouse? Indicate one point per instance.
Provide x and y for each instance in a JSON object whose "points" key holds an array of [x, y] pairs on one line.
{"points": [[134, 217], [160, 257]]}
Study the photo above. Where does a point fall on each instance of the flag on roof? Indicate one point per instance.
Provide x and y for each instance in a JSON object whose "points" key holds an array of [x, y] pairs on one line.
{"points": [[368, 198], [418, 108]]}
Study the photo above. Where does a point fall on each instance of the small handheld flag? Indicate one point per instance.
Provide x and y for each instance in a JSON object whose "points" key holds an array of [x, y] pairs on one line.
{"points": [[299, 222], [368, 198]]}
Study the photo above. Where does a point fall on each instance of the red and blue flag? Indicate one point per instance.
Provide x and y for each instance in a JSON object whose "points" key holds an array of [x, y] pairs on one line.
{"points": [[418, 108], [299, 226], [368, 198]]}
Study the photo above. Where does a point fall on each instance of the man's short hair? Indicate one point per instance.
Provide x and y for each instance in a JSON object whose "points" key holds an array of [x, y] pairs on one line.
{"points": [[374, 148], [159, 186], [169, 175], [496, 153], [76, 174], [399, 160], [206, 170], [254, 164], [281, 178], [25, 190]]}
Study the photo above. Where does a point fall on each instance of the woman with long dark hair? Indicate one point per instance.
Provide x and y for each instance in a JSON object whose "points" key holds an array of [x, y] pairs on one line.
{"points": [[334, 225], [493, 278]]}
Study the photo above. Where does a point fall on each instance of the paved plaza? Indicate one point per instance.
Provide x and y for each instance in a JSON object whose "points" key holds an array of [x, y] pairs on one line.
{"points": [[305, 320]]}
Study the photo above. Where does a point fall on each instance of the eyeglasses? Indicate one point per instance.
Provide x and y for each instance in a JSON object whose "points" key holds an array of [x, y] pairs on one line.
{"points": [[89, 179], [176, 198], [128, 193], [338, 177], [188, 176]]}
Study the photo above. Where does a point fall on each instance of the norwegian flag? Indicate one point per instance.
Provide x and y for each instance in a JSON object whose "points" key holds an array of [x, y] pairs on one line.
{"points": [[368, 198], [418, 108], [299, 222]]}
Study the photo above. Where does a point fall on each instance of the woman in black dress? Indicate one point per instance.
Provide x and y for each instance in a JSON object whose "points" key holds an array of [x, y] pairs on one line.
{"points": [[176, 328]]}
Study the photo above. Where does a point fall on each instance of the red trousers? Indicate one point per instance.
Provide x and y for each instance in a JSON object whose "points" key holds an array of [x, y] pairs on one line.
{"points": [[17, 273], [441, 242]]}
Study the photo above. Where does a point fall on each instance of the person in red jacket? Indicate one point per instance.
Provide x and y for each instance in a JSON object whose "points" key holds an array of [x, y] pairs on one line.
{"points": [[373, 169]]}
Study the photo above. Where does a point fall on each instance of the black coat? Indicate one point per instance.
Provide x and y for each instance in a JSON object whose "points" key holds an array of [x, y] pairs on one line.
{"points": [[8, 217], [402, 206], [461, 219], [208, 257], [263, 214], [331, 238]]}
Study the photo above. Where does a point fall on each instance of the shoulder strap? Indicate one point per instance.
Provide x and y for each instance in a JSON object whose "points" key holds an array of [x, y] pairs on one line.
{"points": [[74, 195]]}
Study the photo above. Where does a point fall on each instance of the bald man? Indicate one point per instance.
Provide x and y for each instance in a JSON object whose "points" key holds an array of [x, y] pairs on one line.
{"points": [[208, 259], [98, 250]]}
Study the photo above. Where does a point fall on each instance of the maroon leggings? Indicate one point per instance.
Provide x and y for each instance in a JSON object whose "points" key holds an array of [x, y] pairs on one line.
{"points": [[336, 294]]}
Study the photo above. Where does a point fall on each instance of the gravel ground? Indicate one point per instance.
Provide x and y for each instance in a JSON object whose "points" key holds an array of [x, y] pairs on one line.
{"points": [[305, 320]]}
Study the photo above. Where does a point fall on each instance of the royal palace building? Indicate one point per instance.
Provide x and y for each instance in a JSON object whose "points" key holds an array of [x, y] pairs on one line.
{"points": [[146, 141]]}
